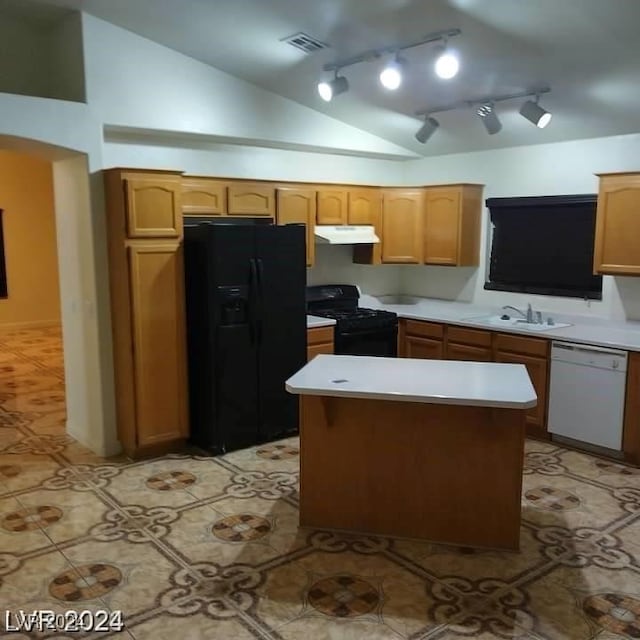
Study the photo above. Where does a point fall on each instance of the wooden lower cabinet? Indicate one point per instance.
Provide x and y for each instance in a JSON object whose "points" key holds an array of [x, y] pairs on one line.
{"points": [[156, 283], [319, 340], [468, 344], [468, 352], [420, 339], [534, 354]]}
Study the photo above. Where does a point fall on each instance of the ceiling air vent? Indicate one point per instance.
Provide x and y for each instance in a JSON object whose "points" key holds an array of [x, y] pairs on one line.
{"points": [[305, 42]]}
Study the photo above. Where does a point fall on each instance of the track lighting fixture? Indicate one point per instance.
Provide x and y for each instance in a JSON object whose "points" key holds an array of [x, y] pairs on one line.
{"points": [[427, 129], [391, 75], [535, 114], [489, 119], [485, 110], [330, 89], [447, 63]]}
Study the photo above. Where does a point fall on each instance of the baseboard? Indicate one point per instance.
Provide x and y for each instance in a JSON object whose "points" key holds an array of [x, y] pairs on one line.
{"points": [[99, 447], [32, 324]]}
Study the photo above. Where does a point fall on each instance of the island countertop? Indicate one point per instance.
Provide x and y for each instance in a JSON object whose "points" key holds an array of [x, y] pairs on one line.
{"points": [[481, 384]]}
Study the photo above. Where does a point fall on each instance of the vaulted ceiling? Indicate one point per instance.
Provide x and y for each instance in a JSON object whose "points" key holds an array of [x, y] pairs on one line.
{"points": [[586, 51]]}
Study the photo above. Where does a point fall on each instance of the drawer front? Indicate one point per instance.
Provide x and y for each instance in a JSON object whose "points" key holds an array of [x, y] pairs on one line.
{"points": [[467, 352], [474, 337], [519, 344], [319, 335], [426, 329]]}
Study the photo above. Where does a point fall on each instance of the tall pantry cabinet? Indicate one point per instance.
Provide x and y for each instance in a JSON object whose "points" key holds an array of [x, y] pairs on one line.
{"points": [[146, 272]]}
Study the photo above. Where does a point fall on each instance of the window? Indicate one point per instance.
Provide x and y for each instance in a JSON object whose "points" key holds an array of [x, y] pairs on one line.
{"points": [[3, 269], [544, 245]]}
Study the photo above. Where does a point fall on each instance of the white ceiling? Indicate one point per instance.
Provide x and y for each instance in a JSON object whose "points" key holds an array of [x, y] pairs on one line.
{"points": [[587, 51]]}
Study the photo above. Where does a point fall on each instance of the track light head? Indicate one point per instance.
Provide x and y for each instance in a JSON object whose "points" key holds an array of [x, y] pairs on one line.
{"points": [[489, 119], [535, 114], [332, 88], [427, 129], [447, 63], [391, 75]]}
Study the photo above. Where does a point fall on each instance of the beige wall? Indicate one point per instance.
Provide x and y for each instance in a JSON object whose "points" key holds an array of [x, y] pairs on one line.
{"points": [[26, 196]]}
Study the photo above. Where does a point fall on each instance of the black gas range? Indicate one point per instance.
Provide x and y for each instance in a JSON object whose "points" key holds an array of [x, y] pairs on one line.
{"points": [[358, 331]]}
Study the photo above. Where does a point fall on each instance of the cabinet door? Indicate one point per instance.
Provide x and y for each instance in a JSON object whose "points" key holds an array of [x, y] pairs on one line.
{"points": [[442, 211], [251, 199], [201, 196], [299, 205], [153, 207], [538, 369], [156, 282], [402, 227], [424, 348], [364, 206], [467, 352], [332, 206], [617, 241]]}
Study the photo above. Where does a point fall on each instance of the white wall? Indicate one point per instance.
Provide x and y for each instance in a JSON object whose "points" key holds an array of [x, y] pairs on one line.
{"points": [[333, 265], [133, 82], [550, 169]]}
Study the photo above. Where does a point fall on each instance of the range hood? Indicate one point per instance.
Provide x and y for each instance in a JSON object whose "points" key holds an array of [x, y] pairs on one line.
{"points": [[346, 234]]}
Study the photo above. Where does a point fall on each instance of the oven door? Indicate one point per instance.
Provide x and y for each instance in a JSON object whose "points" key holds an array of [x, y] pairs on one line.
{"points": [[368, 342]]}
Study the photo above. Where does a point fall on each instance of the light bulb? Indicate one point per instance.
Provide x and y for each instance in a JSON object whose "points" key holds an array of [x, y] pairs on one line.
{"points": [[447, 65], [391, 75], [324, 89]]}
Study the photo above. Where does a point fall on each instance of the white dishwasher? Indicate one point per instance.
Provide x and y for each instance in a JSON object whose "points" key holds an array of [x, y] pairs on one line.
{"points": [[586, 393]]}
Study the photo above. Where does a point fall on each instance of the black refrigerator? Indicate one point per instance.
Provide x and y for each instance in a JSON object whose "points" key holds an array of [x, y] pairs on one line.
{"points": [[246, 329]]}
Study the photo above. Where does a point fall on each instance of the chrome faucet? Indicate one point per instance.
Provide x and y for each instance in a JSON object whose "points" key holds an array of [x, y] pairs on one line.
{"points": [[528, 316], [522, 313]]}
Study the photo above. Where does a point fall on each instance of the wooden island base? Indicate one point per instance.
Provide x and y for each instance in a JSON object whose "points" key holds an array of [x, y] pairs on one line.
{"points": [[445, 473]]}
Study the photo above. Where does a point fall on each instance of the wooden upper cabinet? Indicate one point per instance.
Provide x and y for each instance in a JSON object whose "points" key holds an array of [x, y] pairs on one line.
{"points": [[203, 196], [152, 206], [617, 241], [332, 206], [364, 206], [402, 226], [251, 199], [299, 205], [156, 285], [452, 217]]}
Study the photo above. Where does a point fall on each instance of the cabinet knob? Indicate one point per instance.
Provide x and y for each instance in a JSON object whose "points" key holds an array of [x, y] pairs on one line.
{"points": [[616, 364]]}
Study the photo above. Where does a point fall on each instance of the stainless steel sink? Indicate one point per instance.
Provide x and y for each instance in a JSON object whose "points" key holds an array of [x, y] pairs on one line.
{"points": [[519, 323]]}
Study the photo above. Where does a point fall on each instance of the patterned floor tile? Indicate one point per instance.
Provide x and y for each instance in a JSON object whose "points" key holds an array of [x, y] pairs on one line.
{"points": [[190, 627], [442, 560], [79, 513], [126, 575], [21, 529], [557, 500], [202, 547], [578, 602], [23, 471], [346, 585]]}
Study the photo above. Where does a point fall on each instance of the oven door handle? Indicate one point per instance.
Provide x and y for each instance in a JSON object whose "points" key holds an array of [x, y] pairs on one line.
{"points": [[367, 332]]}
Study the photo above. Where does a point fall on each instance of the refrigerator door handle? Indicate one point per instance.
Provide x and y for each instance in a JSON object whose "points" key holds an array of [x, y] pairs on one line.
{"points": [[254, 287], [259, 299]]}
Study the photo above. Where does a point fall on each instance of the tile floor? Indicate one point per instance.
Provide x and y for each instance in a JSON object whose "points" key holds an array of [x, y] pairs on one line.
{"points": [[196, 547]]}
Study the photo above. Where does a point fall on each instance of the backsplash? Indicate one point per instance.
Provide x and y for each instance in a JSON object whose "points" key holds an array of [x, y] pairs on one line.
{"points": [[333, 265]]}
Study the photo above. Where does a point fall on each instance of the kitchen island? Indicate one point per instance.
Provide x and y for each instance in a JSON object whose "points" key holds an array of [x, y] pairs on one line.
{"points": [[428, 449]]}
